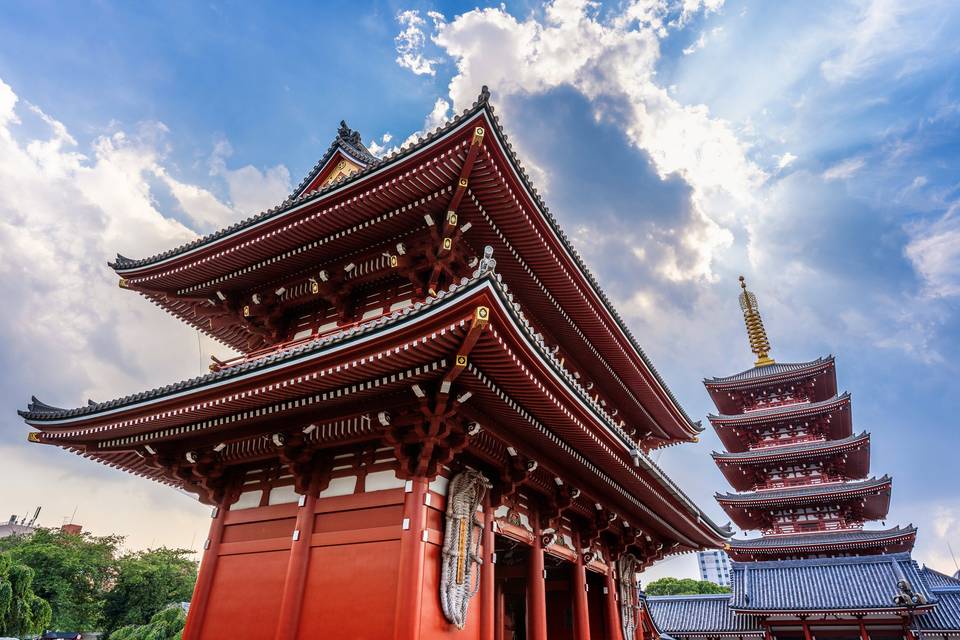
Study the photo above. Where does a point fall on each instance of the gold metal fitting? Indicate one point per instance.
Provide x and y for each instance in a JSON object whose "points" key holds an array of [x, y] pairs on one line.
{"points": [[452, 218], [481, 315], [33, 436], [477, 135], [463, 183], [461, 361], [246, 311], [314, 286], [394, 261], [124, 284], [447, 244]]}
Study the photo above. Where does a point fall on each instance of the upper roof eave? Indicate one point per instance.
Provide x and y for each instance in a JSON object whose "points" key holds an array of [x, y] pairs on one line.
{"points": [[689, 427], [821, 539], [786, 451], [776, 371], [778, 411], [805, 492]]}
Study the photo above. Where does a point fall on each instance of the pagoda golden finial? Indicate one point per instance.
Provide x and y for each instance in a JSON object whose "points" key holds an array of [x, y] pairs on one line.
{"points": [[757, 335]]}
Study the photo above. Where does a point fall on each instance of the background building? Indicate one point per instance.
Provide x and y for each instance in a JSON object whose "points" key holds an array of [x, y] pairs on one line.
{"points": [[714, 566]]}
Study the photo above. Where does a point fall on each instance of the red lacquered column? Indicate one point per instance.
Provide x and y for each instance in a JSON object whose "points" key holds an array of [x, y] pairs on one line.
{"points": [[536, 589], [297, 566], [581, 616], [412, 548], [208, 566], [613, 611], [487, 591]]}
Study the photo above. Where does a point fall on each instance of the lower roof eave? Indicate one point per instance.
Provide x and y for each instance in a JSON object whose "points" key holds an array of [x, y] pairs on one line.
{"points": [[902, 611]]}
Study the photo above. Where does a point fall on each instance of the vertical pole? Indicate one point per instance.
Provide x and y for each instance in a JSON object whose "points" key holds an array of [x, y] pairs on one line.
{"points": [[487, 599], [500, 622], [806, 631], [291, 601], [581, 616], [613, 611], [863, 631], [412, 550], [536, 586], [208, 567]]}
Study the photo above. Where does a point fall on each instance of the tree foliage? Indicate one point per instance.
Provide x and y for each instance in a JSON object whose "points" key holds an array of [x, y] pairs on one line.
{"points": [[682, 587], [22, 612], [72, 573], [147, 582], [166, 624], [90, 585]]}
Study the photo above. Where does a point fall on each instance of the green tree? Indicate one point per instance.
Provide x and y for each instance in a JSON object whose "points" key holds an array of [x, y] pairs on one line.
{"points": [[682, 587], [72, 573], [146, 582], [22, 612], [166, 624]]}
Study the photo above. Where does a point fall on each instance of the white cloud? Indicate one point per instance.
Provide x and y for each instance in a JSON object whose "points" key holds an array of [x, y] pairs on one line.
{"points": [[785, 160], [612, 62], [410, 43], [934, 250], [72, 333], [845, 169]]}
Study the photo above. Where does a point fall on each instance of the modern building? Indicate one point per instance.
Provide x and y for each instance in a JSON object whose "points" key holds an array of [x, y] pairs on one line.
{"points": [[801, 476], [714, 566], [437, 426]]}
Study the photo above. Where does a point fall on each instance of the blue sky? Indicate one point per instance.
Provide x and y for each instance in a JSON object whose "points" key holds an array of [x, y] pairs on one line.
{"points": [[812, 147]]}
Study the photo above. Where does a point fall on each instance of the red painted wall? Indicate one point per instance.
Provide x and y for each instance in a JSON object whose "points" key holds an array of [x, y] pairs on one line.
{"points": [[245, 597]]}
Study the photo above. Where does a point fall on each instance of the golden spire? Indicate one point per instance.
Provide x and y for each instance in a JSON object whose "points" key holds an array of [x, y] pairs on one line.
{"points": [[759, 343]]}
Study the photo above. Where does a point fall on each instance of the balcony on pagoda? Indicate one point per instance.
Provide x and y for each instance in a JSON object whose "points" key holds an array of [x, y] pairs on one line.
{"points": [[791, 424], [760, 510], [778, 384], [799, 461], [825, 541]]}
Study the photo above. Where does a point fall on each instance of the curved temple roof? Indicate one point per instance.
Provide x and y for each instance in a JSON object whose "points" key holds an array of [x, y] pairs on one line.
{"points": [[129, 268], [808, 493], [822, 539], [42, 415], [859, 583], [785, 370], [791, 451]]}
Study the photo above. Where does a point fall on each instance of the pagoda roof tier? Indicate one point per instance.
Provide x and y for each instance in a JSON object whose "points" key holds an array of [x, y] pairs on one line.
{"points": [[277, 250], [851, 585], [870, 498], [818, 543], [743, 469], [944, 619], [728, 392], [339, 383], [831, 419]]}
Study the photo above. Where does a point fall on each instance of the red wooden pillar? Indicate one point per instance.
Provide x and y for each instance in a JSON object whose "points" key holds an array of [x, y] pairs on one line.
{"points": [[581, 615], [487, 595], [806, 631], [536, 588], [208, 566], [412, 550], [613, 610], [863, 631], [297, 566]]}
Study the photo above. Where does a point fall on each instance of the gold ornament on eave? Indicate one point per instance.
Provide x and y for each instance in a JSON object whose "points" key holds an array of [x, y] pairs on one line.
{"points": [[757, 335]]}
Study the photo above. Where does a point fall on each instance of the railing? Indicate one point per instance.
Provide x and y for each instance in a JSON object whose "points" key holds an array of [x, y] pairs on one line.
{"points": [[801, 481], [775, 402], [769, 444], [813, 527]]}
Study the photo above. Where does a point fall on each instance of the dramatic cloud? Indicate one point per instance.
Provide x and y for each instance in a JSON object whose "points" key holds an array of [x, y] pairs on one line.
{"points": [[611, 60], [70, 332]]}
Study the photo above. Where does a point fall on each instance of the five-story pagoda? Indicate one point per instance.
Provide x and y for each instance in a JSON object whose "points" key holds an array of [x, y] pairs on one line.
{"points": [[410, 421], [800, 471]]}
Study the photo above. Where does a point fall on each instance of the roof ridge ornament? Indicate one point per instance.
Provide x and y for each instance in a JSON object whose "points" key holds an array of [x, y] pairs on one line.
{"points": [[759, 344]]}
